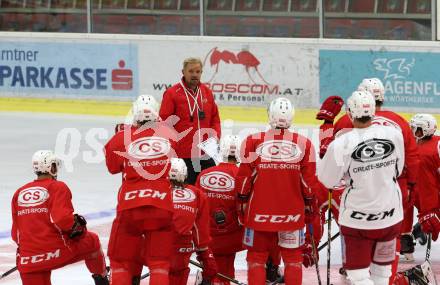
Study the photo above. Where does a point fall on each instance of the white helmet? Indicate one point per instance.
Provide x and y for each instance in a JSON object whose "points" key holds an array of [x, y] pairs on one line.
{"points": [[280, 113], [43, 160], [145, 108], [361, 104], [229, 146], [374, 86], [178, 170], [426, 122]]}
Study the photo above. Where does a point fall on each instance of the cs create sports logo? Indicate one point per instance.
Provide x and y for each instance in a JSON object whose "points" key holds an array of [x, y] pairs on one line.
{"points": [[396, 68]]}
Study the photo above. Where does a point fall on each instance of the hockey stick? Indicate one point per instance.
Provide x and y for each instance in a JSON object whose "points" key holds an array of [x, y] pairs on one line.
{"points": [[218, 274], [8, 272], [329, 234], [428, 247], [314, 253], [335, 236], [145, 275]]}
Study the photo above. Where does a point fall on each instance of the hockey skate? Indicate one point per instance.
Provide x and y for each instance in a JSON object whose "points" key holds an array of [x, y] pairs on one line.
{"points": [[421, 275], [100, 280]]}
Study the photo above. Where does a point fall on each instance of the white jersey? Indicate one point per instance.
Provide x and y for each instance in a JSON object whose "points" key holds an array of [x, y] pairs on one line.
{"points": [[370, 160]]}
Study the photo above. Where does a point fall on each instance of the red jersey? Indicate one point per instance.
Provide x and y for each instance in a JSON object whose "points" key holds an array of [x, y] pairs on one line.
{"points": [[274, 166], [389, 118], [143, 155], [429, 186], [191, 215], [218, 183], [42, 215], [176, 102]]}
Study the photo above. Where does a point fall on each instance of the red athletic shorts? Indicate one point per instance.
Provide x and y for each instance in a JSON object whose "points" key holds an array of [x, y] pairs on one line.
{"points": [[362, 247]]}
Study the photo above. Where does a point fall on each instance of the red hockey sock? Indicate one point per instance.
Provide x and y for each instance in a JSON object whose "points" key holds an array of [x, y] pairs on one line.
{"points": [[293, 266], [123, 272], [225, 265], [95, 262], [256, 267], [120, 276], [400, 279], [179, 277], [159, 272]]}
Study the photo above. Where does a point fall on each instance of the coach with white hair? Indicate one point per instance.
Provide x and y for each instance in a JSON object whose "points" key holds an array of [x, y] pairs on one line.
{"points": [[193, 103]]}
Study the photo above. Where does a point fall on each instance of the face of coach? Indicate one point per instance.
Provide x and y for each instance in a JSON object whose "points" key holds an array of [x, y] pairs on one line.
{"points": [[192, 72]]}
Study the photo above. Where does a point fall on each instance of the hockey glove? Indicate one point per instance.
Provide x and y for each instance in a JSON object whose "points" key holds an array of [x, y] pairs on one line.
{"points": [[120, 127], [419, 235], [307, 254], [79, 227], [311, 209], [407, 244], [330, 108], [242, 202], [206, 258], [430, 223]]}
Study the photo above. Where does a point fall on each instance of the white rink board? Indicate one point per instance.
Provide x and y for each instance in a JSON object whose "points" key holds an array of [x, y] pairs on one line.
{"points": [[241, 71]]}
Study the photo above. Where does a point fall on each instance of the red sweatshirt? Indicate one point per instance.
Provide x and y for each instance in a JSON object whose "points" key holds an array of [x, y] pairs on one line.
{"points": [[176, 102], [42, 215]]}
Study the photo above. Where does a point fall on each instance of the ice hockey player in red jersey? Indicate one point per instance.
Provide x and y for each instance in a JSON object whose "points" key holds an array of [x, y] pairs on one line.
{"points": [[218, 183], [144, 211], [424, 127], [427, 199], [273, 166], [370, 157], [47, 232], [191, 227]]}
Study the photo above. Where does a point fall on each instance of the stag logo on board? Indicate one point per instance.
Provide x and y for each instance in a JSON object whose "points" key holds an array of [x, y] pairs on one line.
{"points": [[33, 196], [395, 68], [399, 80], [235, 75], [278, 150], [373, 150], [217, 181], [183, 195], [149, 148]]}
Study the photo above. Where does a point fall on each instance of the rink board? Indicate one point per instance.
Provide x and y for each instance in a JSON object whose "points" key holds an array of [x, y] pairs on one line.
{"points": [[121, 108]]}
